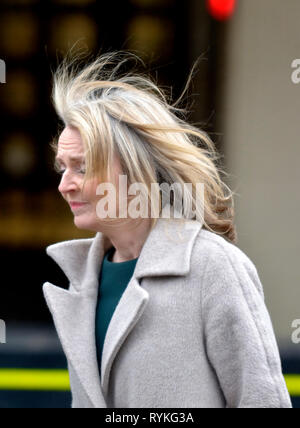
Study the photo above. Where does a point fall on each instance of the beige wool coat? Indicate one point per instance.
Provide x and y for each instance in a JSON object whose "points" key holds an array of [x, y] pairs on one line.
{"points": [[190, 330]]}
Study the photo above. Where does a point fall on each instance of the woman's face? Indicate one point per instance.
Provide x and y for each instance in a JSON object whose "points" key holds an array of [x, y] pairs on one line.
{"points": [[70, 162]]}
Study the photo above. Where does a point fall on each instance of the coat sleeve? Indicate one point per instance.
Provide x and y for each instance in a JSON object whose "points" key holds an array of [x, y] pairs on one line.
{"points": [[238, 334]]}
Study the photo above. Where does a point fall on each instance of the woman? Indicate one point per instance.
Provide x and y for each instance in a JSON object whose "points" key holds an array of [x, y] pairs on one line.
{"points": [[162, 310]]}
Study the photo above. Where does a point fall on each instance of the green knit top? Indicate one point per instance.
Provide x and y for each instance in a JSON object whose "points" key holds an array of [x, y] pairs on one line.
{"points": [[114, 278]]}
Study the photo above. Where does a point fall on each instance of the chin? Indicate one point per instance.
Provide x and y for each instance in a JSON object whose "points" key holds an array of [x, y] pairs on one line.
{"points": [[84, 223]]}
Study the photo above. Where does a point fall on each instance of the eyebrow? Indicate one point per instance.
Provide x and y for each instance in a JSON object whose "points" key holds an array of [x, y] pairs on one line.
{"points": [[72, 158]]}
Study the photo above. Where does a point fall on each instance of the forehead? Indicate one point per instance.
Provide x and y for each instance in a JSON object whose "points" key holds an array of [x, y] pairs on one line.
{"points": [[70, 142]]}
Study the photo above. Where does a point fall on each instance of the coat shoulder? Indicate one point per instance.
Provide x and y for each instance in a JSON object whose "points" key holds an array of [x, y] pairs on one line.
{"points": [[214, 244], [221, 255]]}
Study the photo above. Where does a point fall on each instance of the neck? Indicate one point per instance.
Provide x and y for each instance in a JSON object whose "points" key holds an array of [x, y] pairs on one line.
{"points": [[128, 239]]}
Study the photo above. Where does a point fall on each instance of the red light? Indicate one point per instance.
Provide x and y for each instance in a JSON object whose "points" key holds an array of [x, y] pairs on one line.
{"points": [[221, 9]]}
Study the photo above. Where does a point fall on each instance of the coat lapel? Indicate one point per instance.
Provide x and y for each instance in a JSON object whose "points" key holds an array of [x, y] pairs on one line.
{"points": [[167, 251], [127, 313], [73, 316], [74, 310]]}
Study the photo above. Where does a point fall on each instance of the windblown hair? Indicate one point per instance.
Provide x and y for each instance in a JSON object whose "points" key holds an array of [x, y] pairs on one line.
{"points": [[129, 115]]}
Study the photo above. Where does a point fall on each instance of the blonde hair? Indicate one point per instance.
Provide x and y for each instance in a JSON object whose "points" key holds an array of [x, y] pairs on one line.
{"points": [[128, 114]]}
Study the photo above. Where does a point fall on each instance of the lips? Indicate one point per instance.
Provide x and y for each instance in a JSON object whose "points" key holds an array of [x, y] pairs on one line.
{"points": [[77, 204]]}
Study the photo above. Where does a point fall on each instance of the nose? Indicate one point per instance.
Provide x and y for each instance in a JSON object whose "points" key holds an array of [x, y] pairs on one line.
{"points": [[68, 183]]}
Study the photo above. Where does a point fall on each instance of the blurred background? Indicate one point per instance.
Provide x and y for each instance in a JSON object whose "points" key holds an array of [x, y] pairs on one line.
{"points": [[242, 94]]}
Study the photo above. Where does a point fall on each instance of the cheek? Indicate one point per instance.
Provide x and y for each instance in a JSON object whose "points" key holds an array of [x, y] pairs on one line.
{"points": [[89, 191]]}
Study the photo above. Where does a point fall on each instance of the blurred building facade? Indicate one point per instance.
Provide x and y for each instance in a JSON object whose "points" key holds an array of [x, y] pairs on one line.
{"points": [[34, 36], [260, 122]]}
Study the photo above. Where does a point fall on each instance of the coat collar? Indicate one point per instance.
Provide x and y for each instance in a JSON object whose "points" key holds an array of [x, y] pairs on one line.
{"points": [[167, 251]]}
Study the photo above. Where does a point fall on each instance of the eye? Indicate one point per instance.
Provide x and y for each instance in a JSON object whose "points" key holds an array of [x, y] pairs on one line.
{"points": [[59, 169], [82, 170], [78, 170]]}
